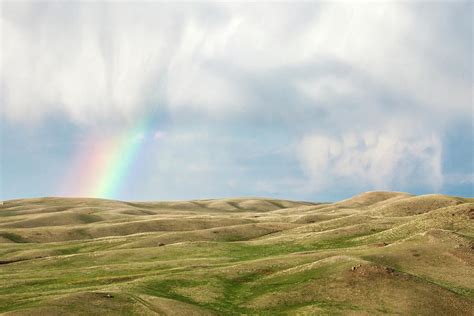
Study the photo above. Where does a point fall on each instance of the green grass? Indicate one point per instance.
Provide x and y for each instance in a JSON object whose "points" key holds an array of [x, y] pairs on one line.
{"points": [[13, 237], [225, 276], [89, 218]]}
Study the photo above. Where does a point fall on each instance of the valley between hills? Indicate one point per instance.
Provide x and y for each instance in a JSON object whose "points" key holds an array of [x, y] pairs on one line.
{"points": [[376, 253]]}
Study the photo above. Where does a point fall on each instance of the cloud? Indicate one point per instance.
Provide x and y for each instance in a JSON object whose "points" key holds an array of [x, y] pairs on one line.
{"points": [[96, 60], [365, 92], [396, 157]]}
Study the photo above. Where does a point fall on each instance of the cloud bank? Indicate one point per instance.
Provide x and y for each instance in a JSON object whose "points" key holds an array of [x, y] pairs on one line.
{"points": [[360, 93], [380, 159]]}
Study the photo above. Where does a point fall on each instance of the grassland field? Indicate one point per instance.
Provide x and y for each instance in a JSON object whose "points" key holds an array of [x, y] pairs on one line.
{"points": [[376, 253]]}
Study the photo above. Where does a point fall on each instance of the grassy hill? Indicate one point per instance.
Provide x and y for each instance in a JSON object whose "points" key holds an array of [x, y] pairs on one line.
{"points": [[376, 253]]}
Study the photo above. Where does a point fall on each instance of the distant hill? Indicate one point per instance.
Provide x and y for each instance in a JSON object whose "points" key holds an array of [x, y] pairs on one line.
{"points": [[375, 253]]}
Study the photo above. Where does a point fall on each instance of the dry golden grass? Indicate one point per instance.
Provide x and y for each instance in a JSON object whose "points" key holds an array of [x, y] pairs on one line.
{"points": [[376, 253]]}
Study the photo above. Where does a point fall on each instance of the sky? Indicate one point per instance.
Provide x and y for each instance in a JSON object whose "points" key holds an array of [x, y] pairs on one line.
{"points": [[313, 101]]}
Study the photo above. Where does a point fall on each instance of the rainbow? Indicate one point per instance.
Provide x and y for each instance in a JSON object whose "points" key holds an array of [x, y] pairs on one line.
{"points": [[102, 165]]}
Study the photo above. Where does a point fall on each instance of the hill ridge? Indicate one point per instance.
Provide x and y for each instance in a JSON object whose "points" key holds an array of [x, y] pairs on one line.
{"points": [[378, 252]]}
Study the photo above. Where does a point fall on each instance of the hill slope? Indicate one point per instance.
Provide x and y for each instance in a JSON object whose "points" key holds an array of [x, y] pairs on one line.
{"points": [[376, 253]]}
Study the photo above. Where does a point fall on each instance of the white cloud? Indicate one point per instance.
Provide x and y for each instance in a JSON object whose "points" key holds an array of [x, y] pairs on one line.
{"points": [[387, 159], [96, 60], [330, 87], [391, 42]]}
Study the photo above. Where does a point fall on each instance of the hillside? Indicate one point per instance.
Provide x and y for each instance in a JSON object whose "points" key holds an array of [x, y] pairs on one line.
{"points": [[376, 253]]}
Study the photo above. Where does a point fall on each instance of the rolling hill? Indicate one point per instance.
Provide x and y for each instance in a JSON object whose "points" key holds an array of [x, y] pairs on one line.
{"points": [[376, 253]]}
